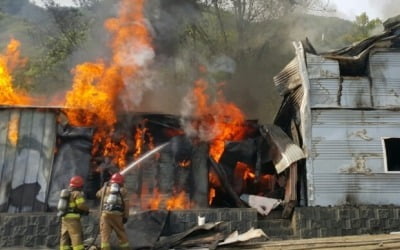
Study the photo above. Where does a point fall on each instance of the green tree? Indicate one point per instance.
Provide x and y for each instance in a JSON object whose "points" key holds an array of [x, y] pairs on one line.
{"points": [[363, 28], [64, 33]]}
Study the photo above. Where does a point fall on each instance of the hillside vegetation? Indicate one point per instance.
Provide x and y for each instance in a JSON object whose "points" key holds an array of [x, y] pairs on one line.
{"points": [[243, 53]]}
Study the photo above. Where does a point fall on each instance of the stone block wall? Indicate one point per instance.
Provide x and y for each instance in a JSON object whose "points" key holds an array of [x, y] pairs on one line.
{"points": [[241, 219], [309, 222], [36, 229], [43, 229]]}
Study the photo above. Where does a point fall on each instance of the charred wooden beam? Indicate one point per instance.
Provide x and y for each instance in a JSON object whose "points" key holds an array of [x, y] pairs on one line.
{"points": [[223, 177], [200, 175], [166, 176]]}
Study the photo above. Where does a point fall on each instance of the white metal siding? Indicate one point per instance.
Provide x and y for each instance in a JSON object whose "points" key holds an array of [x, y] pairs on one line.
{"points": [[347, 157], [324, 92], [320, 67], [329, 90], [356, 92], [384, 69]]}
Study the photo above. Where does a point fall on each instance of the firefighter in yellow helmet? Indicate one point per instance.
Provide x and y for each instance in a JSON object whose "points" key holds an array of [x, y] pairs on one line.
{"points": [[114, 211], [71, 206]]}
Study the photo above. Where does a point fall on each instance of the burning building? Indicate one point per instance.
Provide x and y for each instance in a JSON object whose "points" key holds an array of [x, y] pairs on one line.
{"points": [[343, 109], [211, 155], [40, 154], [214, 155]]}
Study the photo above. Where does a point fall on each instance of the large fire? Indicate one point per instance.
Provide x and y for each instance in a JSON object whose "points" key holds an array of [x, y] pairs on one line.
{"points": [[97, 87], [217, 121], [97, 95], [221, 120], [10, 60]]}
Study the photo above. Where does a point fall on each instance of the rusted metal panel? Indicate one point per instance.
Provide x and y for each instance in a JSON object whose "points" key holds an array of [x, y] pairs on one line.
{"points": [[355, 93], [27, 140], [320, 67], [384, 69], [348, 157]]}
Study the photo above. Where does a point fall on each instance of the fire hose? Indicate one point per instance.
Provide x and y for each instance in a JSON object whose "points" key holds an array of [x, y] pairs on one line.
{"points": [[123, 172]]}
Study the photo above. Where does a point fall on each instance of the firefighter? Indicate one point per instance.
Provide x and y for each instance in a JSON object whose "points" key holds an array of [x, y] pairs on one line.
{"points": [[71, 206], [114, 211]]}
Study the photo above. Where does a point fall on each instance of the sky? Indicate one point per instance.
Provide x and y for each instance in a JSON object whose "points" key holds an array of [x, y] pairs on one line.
{"points": [[346, 9], [382, 9]]}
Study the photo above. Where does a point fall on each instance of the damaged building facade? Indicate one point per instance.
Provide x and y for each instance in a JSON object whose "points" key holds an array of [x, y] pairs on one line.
{"points": [[330, 159], [41, 151], [343, 106]]}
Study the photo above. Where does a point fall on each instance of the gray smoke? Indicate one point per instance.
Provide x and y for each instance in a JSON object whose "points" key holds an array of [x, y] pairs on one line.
{"points": [[386, 8]]}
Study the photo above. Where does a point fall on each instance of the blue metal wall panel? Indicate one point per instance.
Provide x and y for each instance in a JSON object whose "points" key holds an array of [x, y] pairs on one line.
{"points": [[348, 157]]}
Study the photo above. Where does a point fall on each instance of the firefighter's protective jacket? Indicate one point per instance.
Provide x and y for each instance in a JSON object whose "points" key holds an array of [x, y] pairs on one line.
{"points": [[76, 205], [71, 229]]}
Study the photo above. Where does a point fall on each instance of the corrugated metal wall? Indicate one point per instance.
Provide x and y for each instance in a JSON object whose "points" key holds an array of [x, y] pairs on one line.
{"points": [[347, 163], [27, 142], [348, 159], [385, 73]]}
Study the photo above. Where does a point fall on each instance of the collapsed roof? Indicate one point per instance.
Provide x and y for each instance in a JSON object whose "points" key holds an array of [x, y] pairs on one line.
{"points": [[353, 61]]}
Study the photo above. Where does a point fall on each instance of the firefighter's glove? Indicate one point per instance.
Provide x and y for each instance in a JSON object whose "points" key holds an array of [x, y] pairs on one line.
{"points": [[124, 220]]}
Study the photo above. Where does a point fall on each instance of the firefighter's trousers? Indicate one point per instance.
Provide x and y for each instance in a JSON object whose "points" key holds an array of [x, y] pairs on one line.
{"points": [[108, 223], [71, 234]]}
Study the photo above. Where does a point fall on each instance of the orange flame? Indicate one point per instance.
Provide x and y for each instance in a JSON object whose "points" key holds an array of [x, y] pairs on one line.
{"points": [[214, 181], [143, 139], [220, 119], [246, 172], [178, 202], [155, 201], [13, 129], [9, 61], [184, 163], [89, 102], [98, 87], [139, 141], [131, 37], [211, 196]]}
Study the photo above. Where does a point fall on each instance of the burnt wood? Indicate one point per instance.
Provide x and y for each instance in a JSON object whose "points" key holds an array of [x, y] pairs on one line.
{"points": [[199, 175], [226, 184]]}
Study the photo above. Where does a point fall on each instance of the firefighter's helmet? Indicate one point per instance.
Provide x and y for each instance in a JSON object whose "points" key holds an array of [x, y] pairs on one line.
{"points": [[76, 182], [117, 178]]}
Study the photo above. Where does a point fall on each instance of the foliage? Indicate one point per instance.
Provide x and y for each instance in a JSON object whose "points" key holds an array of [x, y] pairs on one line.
{"points": [[57, 40], [362, 28], [12, 6], [243, 43]]}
